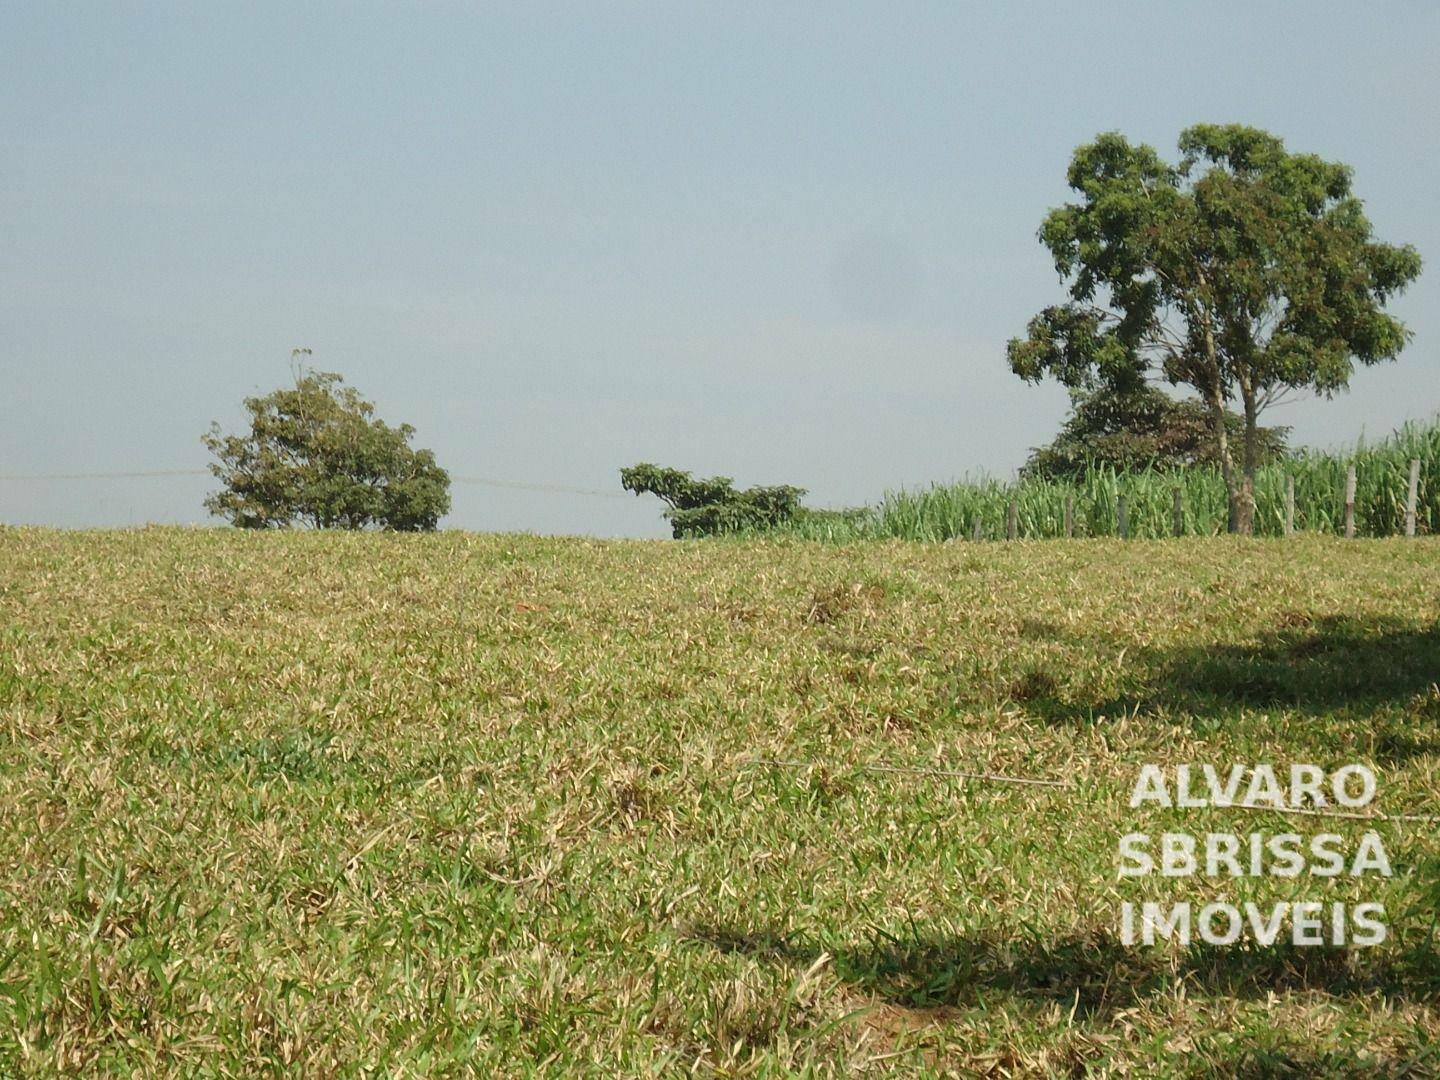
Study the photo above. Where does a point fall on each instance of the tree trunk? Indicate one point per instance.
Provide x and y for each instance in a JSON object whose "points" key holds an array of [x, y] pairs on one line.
{"points": [[1252, 460], [1214, 394], [1227, 463]]}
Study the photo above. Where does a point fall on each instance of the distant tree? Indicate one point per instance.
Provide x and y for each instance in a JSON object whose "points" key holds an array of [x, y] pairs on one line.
{"points": [[316, 454], [709, 507], [1243, 272], [1144, 427]]}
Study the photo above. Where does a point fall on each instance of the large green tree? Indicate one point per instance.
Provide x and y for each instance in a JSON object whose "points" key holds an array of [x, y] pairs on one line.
{"points": [[316, 454], [1244, 272]]}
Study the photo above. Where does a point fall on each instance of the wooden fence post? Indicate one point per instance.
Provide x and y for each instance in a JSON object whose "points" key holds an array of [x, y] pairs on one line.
{"points": [[976, 530], [1069, 516], [1289, 504], [1122, 515], [1012, 520], [1411, 496], [1177, 513], [1350, 503]]}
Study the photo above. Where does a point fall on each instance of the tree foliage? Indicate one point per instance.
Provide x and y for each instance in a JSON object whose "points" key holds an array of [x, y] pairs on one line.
{"points": [[712, 506], [1138, 429], [1244, 272], [316, 454]]}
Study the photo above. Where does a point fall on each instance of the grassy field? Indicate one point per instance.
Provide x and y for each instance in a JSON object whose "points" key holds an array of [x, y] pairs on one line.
{"points": [[338, 804]]}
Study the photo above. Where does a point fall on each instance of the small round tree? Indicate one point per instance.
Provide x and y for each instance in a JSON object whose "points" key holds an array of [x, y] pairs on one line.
{"points": [[317, 455], [1137, 429]]}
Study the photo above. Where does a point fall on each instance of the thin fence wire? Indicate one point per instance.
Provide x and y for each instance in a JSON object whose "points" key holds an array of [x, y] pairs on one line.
{"points": [[137, 474], [145, 474]]}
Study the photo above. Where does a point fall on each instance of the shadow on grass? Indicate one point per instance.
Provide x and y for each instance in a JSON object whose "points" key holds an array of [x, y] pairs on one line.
{"points": [[1285, 1055], [1312, 665], [1333, 662], [1095, 975]]}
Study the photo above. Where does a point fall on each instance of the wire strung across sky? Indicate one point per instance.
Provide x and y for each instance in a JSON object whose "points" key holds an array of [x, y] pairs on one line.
{"points": [[484, 481]]}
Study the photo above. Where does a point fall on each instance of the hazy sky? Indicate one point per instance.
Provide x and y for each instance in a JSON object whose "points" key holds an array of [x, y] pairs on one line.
{"points": [[782, 242]]}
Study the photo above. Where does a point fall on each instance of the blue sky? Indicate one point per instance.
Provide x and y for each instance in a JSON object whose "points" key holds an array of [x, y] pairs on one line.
{"points": [[765, 241]]}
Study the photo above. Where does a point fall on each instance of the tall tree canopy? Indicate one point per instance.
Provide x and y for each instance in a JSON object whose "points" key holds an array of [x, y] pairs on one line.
{"points": [[1245, 271], [317, 454]]}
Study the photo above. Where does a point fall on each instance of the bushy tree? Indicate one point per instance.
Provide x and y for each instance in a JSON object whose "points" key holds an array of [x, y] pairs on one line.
{"points": [[708, 507], [1244, 272], [1140, 428], [316, 454]]}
